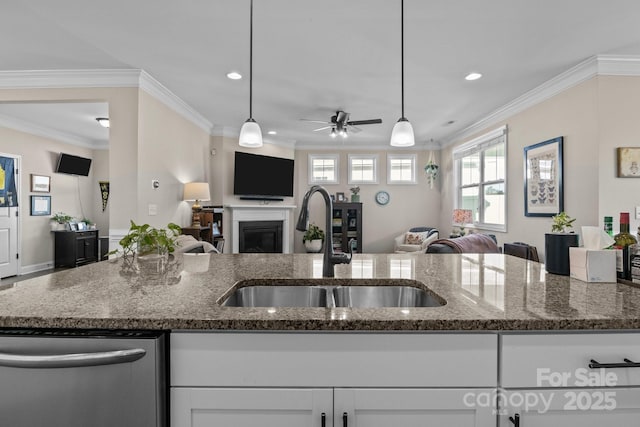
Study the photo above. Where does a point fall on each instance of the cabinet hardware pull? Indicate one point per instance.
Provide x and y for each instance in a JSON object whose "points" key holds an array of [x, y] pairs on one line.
{"points": [[628, 364], [344, 420], [323, 419], [515, 420]]}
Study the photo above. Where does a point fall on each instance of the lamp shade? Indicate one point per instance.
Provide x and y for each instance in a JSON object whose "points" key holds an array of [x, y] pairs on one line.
{"points": [[462, 216], [250, 134], [196, 191], [402, 134]]}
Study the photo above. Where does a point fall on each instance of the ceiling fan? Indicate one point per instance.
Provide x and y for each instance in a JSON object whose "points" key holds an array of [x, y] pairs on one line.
{"points": [[340, 124]]}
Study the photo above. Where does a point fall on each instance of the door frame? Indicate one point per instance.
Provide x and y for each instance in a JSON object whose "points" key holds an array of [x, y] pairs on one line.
{"points": [[18, 168]]}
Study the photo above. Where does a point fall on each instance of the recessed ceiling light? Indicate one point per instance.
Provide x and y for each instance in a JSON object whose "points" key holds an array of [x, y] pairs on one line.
{"points": [[473, 76], [234, 75], [104, 121], [272, 132]]}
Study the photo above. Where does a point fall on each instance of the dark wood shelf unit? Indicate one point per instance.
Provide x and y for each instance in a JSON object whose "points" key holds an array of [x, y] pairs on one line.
{"points": [[74, 248], [212, 216], [347, 225]]}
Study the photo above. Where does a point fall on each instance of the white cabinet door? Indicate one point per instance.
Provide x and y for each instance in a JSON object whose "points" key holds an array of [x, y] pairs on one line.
{"points": [[412, 408], [259, 407], [611, 407]]}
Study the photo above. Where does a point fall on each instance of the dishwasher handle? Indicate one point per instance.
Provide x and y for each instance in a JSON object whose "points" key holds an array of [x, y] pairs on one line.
{"points": [[71, 360]]}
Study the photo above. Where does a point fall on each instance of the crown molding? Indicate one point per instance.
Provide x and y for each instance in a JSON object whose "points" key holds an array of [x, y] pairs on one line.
{"points": [[49, 133], [164, 95], [600, 65], [54, 79], [57, 79]]}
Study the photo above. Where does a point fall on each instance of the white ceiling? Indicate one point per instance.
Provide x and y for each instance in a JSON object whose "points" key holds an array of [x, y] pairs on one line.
{"points": [[314, 57]]}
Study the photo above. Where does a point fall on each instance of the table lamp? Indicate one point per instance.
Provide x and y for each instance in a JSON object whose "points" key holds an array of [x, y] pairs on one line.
{"points": [[462, 217], [196, 192]]}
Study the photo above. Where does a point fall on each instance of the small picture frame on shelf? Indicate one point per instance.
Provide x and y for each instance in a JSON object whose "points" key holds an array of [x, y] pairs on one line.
{"points": [[82, 226], [340, 197], [73, 226], [352, 222], [215, 229]]}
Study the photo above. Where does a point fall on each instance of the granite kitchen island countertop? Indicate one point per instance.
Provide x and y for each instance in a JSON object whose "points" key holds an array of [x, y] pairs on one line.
{"points": [[483, 292]]}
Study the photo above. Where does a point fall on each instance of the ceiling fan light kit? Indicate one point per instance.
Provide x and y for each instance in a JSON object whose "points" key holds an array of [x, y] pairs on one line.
{"points": [[250, 134], [402, 134]]}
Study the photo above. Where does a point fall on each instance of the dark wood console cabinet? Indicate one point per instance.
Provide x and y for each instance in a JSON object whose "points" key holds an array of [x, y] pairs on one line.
{"points": [[347, 226], [74, 248]]}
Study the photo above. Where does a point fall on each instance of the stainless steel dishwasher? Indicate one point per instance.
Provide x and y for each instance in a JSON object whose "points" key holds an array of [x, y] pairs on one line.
{"points": [[78, 379]]}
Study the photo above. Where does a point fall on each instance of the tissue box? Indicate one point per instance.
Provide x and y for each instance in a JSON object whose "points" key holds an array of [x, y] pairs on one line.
{"points": [[590, 265]]}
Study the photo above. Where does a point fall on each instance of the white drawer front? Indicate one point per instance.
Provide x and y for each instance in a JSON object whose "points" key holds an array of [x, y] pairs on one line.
{"points": [[333, 360], [562, 360]]}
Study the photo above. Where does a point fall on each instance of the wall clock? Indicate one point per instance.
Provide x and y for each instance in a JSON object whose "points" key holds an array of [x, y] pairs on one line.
{"points": [[382, 198]]}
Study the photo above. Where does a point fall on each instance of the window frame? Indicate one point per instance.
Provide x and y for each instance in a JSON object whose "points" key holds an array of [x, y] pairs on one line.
{"points": [[414, 159], [373, 157], [480, 145], [334, 157]]}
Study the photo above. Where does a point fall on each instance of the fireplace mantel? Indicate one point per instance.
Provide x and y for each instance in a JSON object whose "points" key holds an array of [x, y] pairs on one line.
{"points": [[247, 212]]}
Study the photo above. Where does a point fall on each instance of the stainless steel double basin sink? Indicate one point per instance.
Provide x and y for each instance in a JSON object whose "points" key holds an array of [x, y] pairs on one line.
{"points": [[356, 293]]}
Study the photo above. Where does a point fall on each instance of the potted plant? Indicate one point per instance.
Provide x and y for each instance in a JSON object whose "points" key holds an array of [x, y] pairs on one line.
{"points": [[431, 169], [313, 238], [355, 197], [90, 224], [60, 221], [146, 241], [557, 244]]}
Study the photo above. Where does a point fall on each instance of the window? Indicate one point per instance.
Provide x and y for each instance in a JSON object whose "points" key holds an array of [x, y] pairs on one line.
{"points": [[323, 169], [401, 169], [363, 169], [481, 166]]}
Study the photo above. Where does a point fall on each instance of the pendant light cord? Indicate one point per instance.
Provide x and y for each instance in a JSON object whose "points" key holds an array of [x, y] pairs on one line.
{"points": [[251, 61], [401, 52]]}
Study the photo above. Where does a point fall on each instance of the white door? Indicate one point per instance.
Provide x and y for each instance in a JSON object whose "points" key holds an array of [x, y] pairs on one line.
{"points": [[413, 408], [611, 407], [8, 216], [251, 407]]}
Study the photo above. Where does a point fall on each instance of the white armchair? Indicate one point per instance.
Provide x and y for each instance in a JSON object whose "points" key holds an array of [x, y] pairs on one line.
{"points": [[415, 240]]}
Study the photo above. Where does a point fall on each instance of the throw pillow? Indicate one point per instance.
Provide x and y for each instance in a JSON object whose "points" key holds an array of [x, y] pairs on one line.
{"points": [[415, 238]]}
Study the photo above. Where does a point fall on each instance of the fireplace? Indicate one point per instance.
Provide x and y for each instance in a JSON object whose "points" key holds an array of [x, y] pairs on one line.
{"points": [[260, 214], [260, 237]]}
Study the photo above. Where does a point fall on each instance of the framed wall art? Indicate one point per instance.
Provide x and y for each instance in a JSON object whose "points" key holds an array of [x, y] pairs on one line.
{"points": [[628, 162], [40, 183], [40, 205], [543, 192]]}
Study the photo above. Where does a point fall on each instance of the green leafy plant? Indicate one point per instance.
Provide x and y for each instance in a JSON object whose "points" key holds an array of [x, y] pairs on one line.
{"points": [[355, 190], [87, 221], [561, 222], [61, 218], [313, 233], [144, 240]]}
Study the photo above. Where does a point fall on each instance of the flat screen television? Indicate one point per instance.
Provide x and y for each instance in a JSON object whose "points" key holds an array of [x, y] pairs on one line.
{"points": [[258, 176], [73, 165]]}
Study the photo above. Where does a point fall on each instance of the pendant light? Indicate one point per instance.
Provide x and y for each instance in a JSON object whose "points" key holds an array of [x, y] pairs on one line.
{"points": [[250, 134], [402, 134]]}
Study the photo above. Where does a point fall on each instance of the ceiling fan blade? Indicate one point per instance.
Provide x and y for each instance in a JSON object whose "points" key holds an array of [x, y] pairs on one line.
{"points": [[354, 129], [322, 128], [324, 122], [365, 122]]}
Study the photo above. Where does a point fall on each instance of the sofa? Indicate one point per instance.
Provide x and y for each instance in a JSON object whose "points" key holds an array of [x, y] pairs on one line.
{"points": [[416, 239]]}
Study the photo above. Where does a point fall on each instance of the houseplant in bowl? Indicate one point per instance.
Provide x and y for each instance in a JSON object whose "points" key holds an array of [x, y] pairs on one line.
{"points": [[557, 244], [60, 221], [313, 238]]}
